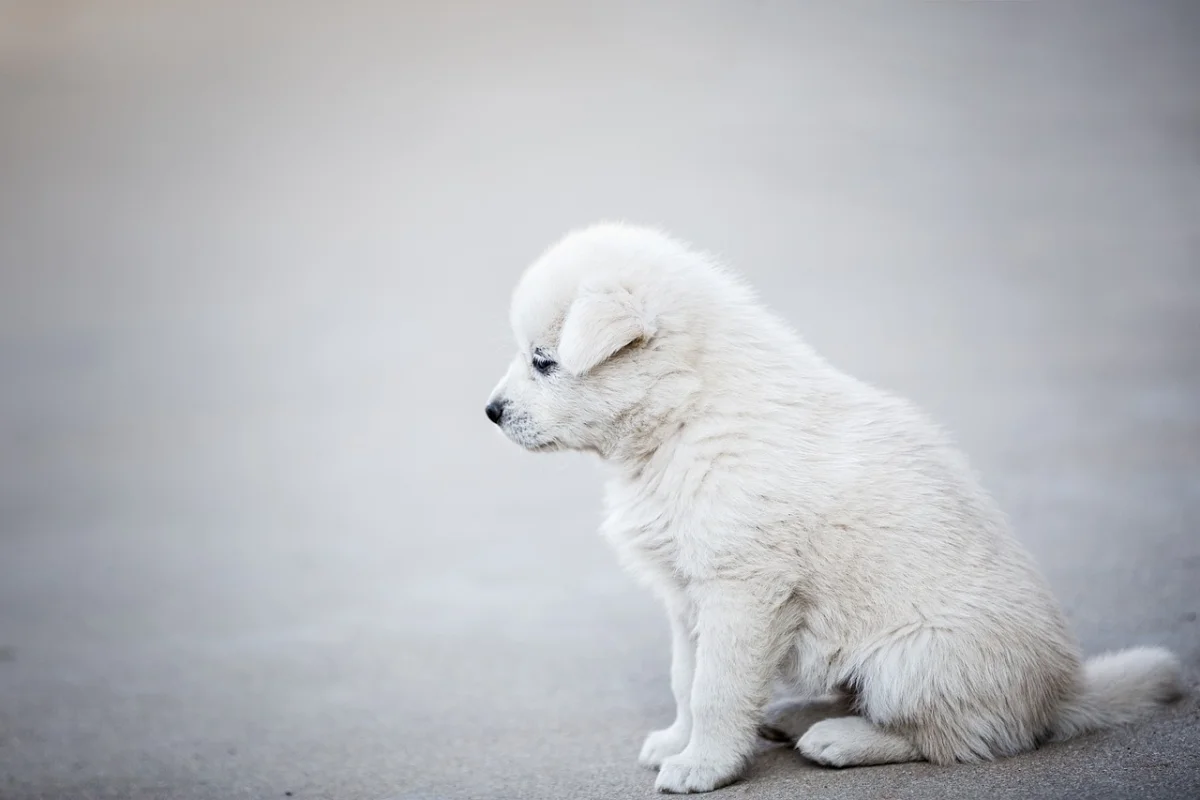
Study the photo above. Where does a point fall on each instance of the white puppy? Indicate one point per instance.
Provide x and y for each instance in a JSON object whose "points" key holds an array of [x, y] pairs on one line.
{"points": [[798, 524]]}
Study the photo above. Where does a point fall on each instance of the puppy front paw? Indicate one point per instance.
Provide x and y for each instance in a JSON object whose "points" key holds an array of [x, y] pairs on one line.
{"points": [[661, 745], [690, 771]]}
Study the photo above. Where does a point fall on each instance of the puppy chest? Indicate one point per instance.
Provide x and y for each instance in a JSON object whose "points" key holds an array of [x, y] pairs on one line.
{"points": [[643, 546], [644, 535]]}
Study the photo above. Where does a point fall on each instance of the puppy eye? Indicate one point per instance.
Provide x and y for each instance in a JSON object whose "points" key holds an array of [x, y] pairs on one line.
{"points": [[542, 364]]}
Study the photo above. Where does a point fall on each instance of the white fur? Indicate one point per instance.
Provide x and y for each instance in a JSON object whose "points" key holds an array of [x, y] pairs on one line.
{"points": [[797, 523]]}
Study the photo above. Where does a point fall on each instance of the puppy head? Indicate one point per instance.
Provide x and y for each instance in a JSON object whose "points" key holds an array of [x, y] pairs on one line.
{"points": [[593, 367]]}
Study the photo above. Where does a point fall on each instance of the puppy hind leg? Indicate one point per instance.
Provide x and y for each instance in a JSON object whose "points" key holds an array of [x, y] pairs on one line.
{"points": [[786, 720], [855, 742]]}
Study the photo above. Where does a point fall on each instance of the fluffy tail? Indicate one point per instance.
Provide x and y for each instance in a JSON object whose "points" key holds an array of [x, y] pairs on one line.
{"points": [[1119, 688]]}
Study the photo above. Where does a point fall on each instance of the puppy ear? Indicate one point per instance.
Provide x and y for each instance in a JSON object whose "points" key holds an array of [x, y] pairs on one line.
{"points": [[598, 324]]}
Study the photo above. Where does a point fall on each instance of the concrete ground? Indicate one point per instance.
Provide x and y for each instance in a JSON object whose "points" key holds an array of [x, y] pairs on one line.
{"points": [[257, 538]]}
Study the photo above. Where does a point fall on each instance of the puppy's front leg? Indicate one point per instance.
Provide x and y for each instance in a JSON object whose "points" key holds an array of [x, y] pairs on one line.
{"points": [[736, 652], [669, 741]]}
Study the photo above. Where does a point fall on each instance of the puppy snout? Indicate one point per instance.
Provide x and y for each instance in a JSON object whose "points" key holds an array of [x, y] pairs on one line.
{"points": [[495, 410]]}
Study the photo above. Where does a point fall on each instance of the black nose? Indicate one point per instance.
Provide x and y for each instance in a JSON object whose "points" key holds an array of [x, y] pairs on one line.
{"points": [[495, 411]]}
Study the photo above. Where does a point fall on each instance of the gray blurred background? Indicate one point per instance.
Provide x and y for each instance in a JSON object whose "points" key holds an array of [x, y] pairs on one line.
{"points": [[256, 534]]}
